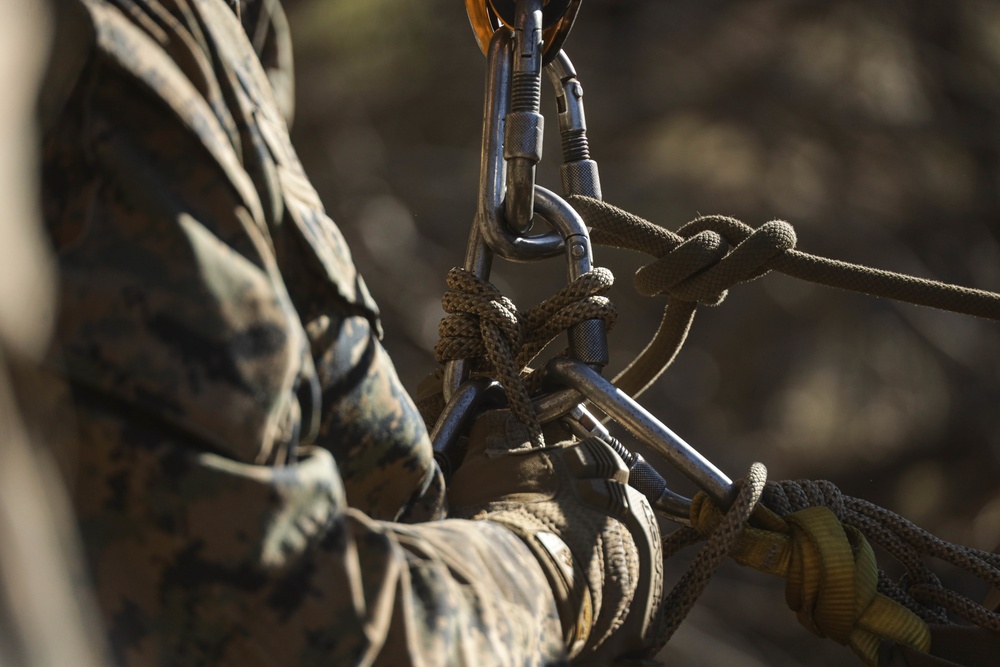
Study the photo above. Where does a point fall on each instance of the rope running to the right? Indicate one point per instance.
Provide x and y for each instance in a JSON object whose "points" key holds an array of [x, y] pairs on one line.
{"points": [[704, 258]]}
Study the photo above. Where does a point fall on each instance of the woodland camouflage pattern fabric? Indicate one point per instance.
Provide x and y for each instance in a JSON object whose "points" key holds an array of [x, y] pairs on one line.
{"points": [[244, 445]]}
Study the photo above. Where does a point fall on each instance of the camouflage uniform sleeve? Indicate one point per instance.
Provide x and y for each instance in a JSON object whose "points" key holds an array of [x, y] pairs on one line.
{"points": [[200, 559], [211, 324], [354, 404], [266, 26]]}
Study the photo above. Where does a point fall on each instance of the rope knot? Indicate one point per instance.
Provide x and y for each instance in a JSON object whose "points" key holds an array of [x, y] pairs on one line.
{"points": [[476, 312], [832, 577], [713, 254], [485, 328], [832, 574]]}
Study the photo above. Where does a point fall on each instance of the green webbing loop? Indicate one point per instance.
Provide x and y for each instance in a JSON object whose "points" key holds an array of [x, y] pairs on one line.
{"points": [[831, 576]]}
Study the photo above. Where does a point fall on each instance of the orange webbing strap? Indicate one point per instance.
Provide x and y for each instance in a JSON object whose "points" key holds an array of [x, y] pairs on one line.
{"points": [[831, 576]]}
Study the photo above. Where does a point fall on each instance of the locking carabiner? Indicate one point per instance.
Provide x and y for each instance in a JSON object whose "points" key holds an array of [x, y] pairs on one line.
{"points": [[493, 180], [523, 124], [490, 234], [588, 340], [578, 172]]}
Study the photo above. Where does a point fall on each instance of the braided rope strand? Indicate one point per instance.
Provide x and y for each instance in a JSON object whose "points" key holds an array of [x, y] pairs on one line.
{"points": [[698, 264], [692, 583], [486, 328]]}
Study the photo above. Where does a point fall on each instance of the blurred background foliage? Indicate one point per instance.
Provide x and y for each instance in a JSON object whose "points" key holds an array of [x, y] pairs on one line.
{"points": [[873, 127]]}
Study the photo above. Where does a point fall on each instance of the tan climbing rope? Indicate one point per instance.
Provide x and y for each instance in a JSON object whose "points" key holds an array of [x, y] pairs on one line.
{"points": [[698, 264], [485, 327]]}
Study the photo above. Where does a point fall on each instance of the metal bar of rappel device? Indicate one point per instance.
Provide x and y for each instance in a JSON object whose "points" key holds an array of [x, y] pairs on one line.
{"points": [[652, 432]]}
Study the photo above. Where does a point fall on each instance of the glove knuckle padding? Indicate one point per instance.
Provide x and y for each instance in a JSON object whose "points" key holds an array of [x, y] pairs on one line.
{"points": [[595, 537], [593, 458]]}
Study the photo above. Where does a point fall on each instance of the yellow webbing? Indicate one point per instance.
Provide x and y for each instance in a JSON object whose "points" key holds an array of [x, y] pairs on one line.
{"points": [[831, 576]]}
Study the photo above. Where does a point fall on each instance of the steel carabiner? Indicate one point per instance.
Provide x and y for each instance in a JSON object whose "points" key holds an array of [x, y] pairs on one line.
{"points": [[493, 181], [490, 235], [579, 173]]}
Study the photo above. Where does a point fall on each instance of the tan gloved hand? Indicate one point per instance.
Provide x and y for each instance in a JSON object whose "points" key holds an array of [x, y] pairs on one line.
{"points": [[595, 537]]}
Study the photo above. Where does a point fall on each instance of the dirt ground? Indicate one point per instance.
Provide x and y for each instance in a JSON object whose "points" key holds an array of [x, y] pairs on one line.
{"points": [[874, 128]]}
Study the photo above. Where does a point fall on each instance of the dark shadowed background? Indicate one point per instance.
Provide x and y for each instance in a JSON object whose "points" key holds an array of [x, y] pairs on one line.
{"points": [[873, 127]]}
